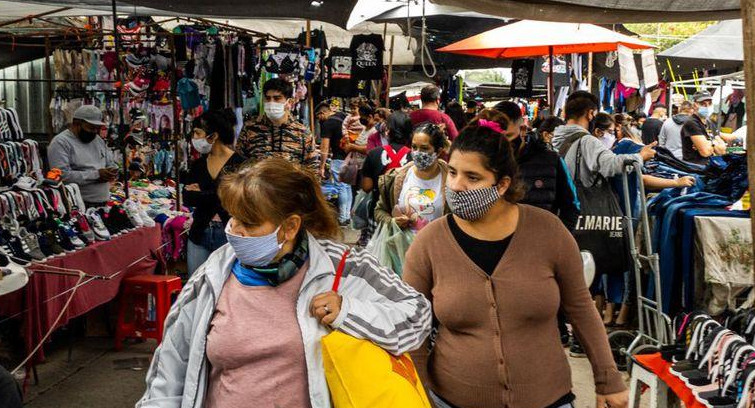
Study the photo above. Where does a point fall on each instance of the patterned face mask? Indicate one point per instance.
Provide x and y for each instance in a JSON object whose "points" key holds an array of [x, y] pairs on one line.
{"points": [[423, 160], [471, 205]]}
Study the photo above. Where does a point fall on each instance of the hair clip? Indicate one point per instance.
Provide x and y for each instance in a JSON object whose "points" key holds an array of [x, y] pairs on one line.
{"points": [[490, 125]]}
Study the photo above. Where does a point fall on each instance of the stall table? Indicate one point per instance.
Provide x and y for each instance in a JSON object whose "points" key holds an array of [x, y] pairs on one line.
{"points": [[133, 253]]}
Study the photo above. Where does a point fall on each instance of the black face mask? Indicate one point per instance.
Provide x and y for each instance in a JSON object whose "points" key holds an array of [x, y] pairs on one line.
{"points": [[591, 126], [86, 136]]}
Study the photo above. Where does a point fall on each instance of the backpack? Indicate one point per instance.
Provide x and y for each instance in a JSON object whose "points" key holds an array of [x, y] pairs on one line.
{"points": [[395, 157]]}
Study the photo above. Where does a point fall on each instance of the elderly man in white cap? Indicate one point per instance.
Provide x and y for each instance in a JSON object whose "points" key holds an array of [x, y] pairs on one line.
{"points": [[83, 157]]}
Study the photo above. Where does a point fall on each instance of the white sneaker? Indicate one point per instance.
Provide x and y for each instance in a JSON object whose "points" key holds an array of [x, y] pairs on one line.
{"points": [[132, 211], [146, 219], [100, 231], [12, 277]]}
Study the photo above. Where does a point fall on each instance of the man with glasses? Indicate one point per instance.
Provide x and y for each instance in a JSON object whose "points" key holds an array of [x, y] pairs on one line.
{"points": [[83, 157]]}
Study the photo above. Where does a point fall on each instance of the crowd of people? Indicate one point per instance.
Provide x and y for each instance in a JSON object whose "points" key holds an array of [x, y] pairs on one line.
{"points": [[473, 187]]}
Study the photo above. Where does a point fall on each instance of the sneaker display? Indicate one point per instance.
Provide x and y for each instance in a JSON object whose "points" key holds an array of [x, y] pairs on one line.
{"points": [[54, 241], [120, 219], [132, 212], [12, 247], [136, 208], [98, 227], [109, 222], [44, 244], [81, 223], [31, 245], [70, 235]]}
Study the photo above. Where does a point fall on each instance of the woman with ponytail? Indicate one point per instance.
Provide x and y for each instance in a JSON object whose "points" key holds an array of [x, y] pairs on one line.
{"points": [[496, 273]]}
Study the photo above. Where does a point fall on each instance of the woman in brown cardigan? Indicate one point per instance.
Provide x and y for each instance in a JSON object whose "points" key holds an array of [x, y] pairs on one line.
{"points": [[496, 273]]}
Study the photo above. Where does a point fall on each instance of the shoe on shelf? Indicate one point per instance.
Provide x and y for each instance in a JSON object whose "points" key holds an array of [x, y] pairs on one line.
{"points": [[107, 221], [145, 219], [10, 224], [132, 212], [44, 244], [83, 225], [12, 247], [69, 234], [31, 245], [53, 240], [120, 219], [97, 226]]}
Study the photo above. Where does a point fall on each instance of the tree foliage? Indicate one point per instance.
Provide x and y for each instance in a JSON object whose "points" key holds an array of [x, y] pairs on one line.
{"points": [[666, 35]]}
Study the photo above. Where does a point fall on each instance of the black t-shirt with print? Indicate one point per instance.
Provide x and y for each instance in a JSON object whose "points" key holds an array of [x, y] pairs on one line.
{"points": [[339, 79], [367, 57], [693, 127], [332, 128]]}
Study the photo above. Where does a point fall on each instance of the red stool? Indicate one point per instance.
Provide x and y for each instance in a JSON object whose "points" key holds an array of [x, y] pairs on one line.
{"points": [[136, 290]]}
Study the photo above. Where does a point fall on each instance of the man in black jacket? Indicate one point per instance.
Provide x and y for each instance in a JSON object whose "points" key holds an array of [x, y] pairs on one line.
{"points": [[548, 183]]}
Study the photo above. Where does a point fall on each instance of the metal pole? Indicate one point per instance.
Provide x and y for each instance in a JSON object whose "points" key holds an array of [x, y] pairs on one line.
{"points": [[310, 99], [390, 74], [119, 71], [551, 91], [176, 131], [589, 72], [748, 28], [48, 75]]}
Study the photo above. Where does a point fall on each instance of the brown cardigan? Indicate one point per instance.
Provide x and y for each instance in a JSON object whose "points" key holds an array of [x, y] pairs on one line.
{"points": [[498, 343]]}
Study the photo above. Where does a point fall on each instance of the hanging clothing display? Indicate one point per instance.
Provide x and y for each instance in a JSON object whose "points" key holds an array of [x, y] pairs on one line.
{"points": [[628, 70], [521, 81], [649, 68], [367, 56], [340, 82]]}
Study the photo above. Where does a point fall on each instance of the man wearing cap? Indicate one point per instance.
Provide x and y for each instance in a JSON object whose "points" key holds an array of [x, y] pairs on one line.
{"points": [[697, 145], [83, 157]]}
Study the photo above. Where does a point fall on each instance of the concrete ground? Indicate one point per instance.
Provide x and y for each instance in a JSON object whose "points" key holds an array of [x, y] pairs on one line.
{"points": [[98, 376]]}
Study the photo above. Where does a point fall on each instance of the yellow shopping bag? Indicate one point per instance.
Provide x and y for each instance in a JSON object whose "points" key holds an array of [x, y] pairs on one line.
{"points": [[362, 375]]}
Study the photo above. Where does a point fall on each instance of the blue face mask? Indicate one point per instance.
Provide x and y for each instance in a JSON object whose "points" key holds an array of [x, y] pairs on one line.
{"points": [[704, 111], [254, 251]]}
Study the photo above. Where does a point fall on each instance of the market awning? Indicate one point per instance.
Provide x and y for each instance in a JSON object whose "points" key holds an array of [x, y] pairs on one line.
{"points": [[720, 42], [537, 38], [602, 11]]}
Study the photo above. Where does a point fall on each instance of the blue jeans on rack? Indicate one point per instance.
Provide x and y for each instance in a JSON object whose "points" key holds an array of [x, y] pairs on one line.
{"points": [[668, 247], [344, 192]]}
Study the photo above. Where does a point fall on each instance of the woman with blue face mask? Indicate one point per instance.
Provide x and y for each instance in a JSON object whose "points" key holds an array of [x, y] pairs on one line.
{"points": [[213, 138], [412, 195], [246, 329], [496, 273]]}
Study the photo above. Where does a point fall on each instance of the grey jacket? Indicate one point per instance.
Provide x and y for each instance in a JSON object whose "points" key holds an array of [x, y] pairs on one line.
{"points": [[596, 157], [671, 135], [80, 163], [376, 306]]}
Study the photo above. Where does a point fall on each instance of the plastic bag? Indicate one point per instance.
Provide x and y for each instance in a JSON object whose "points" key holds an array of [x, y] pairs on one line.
{"points": [[360, 217], [389, 245]]}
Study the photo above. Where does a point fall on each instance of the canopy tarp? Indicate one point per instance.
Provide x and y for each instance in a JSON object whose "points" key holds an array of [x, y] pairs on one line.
{"points": [[339, 11], [603, 11], [537, 38], [720, 42]]}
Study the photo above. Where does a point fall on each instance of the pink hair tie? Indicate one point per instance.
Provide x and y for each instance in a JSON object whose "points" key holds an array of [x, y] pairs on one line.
{"points": [[490, 125]]}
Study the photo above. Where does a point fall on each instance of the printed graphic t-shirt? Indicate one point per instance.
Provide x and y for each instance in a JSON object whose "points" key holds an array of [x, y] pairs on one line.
{"points": [[421, 197], [367, 57], [339, 81]]}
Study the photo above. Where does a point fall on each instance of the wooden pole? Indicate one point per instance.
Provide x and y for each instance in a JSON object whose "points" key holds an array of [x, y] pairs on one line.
{"points": [[748, 28], [310, 99], [119, 88], [176, 131], [390, 74], [551, 87], [383, 84], [589, 72], [48, 75]]}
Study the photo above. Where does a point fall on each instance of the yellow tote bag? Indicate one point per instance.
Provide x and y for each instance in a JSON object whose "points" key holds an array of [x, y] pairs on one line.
{"points": [[363, 375]]}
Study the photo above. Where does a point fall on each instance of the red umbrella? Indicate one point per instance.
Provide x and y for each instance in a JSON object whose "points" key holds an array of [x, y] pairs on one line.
{"points": [[538, 38]]}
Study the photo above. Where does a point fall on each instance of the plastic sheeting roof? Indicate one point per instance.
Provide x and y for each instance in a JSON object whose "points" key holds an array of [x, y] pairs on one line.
{"points": [[12, 10], [722, 41], [339, 11], [603, 11]]}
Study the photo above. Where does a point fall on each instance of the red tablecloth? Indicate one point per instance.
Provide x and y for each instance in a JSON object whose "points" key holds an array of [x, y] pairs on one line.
{"points": [[102, 259], [660, 367]]}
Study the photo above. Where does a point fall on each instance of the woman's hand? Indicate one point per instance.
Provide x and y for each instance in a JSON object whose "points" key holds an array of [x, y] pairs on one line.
{"points": [[402, 221], [685, 181], [618, 400], [325, 307]]}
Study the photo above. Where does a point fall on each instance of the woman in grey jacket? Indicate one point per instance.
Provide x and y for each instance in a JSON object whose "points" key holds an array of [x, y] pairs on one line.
{"points": [[246, 329]]}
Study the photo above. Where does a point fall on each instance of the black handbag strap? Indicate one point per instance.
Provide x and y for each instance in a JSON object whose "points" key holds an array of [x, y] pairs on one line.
{"points": [[578, 181]]}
